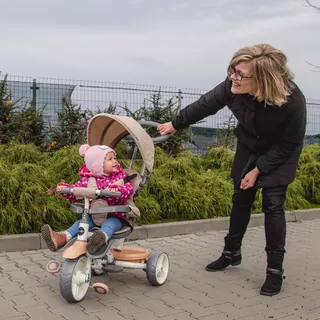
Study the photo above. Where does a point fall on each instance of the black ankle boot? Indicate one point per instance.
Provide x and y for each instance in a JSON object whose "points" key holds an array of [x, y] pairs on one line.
{"points": [[273, 282], [227, 258], [231, 255]]}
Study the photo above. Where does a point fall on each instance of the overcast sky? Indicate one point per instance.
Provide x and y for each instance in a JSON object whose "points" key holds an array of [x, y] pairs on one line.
{"points": [[181, 43]]}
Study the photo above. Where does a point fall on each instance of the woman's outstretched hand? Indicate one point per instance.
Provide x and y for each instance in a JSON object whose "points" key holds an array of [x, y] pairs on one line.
{"points": [[166, 128]]}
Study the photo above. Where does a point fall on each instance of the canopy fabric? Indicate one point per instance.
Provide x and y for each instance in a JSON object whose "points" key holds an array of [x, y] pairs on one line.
{"points": [[108, 129]]}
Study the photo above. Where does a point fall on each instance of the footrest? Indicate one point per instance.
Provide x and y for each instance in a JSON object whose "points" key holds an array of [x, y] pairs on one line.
{"points": [[100, 253], [112, 268]]}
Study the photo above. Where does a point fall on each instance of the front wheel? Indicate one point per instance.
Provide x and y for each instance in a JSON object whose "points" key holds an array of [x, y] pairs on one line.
{"points": [[74, 282], [157, 268]]}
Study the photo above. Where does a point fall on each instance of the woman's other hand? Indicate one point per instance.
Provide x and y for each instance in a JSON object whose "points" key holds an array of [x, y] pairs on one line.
{"points": [[166, 128], [250, 179]]}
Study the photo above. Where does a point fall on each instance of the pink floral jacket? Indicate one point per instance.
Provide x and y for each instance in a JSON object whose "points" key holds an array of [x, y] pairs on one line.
{"points": [[102, 183]]}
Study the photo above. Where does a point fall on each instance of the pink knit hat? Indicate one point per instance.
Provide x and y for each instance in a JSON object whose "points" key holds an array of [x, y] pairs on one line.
{"points": [[94, 157]]}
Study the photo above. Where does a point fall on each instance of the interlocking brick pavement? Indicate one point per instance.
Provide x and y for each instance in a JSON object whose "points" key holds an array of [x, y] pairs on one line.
{"points": [[27, 291]]}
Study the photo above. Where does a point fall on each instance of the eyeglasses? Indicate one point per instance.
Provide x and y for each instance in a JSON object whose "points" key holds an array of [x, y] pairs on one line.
{"points": [[238, 74]]}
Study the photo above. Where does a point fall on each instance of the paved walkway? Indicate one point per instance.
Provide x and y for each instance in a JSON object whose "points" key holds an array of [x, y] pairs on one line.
{"points": [[27, 291]]}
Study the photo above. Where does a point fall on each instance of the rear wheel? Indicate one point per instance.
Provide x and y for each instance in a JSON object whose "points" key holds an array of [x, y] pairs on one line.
{"points": [[157, 268], [74, 282]]}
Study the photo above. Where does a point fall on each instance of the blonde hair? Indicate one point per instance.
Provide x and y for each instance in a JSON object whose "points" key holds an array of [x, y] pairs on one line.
{"points": [[269, 70]]}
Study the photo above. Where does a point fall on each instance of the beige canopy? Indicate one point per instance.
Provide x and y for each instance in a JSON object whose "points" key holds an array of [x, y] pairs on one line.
{"points": [[108, 129]]}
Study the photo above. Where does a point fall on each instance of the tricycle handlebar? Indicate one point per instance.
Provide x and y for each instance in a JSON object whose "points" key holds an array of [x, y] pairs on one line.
{"points": [[89, 192], [145, 123]]}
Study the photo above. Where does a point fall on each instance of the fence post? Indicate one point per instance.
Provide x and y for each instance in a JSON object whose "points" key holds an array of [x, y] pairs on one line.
{"points": [[34, 89], [180, 97]]}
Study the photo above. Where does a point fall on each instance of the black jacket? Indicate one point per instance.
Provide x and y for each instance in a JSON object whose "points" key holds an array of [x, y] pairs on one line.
{"points": [[269, 137]]}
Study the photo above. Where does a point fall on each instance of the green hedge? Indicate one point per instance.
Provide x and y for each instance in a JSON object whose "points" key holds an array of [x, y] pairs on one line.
{"points": [[184, 187]]}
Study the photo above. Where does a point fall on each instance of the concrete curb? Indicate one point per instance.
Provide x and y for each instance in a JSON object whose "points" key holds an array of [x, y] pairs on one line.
{"points": [[34, 241]]}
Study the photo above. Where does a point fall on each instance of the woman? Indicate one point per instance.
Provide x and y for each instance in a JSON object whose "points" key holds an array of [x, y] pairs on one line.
{"points": [[271, 114]]}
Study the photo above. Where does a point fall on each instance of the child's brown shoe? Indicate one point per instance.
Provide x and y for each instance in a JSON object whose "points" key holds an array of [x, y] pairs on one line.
{"points": [[54, 240], [97, 240]]}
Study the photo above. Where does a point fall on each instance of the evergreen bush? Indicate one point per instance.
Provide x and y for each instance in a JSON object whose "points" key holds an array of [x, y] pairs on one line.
{"points": [[309, 173], [24, 179]]}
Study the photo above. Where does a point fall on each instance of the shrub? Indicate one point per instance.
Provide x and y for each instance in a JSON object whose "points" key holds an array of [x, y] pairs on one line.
{"points": [[24, 179], [309, 173], [219, 158], [64, 165], [185, 190], [149, 207]]}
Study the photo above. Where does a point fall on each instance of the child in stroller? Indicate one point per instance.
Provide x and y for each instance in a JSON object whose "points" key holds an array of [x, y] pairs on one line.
{"points": [[79, 264], [100, 163]]}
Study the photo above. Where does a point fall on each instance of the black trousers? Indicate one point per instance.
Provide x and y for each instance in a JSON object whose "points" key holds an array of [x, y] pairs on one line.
{"points": [[275, 224]]}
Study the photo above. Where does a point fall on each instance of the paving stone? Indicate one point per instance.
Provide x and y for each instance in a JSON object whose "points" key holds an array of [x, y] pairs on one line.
{"points": [[26, 317], [46, 296], [138, 297], [16, 255], [8, 310], [36, 256], [223, 316], [43, 276], [197, 311], [179, 316], [109, 314], [149, 315], [4, 280], [92, 305], [77, 313], [24, 301], [25, 262], [172, 299], [31, 282], [125, 307], [300, 311], [33, 253], [4, 259], [11, 290], [157, 307], [10, 266], [32, 269], [19, 274]]}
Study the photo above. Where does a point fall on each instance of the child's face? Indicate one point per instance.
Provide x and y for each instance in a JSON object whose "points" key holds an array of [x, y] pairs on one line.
{"points": [[110, 164]]}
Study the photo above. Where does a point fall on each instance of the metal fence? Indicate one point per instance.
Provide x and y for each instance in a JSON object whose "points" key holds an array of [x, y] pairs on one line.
{"points": [[99, 95]]}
